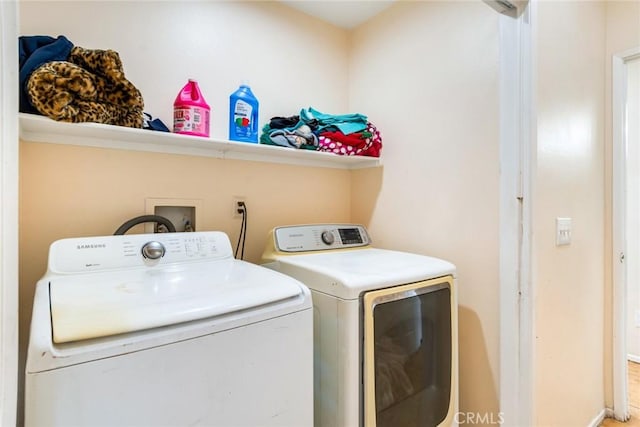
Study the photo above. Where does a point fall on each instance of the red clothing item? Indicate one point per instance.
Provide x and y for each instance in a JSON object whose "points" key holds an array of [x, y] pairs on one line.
{"points": [[366, 143]]}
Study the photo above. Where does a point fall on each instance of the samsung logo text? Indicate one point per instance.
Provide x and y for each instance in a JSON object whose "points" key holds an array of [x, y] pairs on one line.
{"points": [[92, 246]]}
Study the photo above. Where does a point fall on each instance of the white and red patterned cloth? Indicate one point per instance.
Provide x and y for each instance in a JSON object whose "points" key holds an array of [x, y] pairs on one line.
{"points": [[365, 143]]}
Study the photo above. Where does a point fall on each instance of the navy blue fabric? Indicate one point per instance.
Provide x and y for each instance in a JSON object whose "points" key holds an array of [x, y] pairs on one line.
{"points": [[33, 52], [153, 124]]}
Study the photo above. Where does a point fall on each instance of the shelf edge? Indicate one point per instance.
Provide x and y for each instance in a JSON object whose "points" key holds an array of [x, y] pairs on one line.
{"points": [[41, 129]]}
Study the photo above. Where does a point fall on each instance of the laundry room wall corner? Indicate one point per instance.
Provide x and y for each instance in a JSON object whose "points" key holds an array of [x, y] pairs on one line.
{"points": [[439, 188], [366, 185]]}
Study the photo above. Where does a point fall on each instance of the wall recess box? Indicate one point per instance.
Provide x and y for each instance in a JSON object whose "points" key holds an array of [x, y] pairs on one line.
{"points": [[183, 213]]}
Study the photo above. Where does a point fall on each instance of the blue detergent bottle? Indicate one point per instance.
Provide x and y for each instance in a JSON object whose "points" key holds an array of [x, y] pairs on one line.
{"points": [[243, 115]]}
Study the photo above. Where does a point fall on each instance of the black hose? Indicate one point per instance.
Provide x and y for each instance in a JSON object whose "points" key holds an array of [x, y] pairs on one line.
{"points": [[142, 219]]}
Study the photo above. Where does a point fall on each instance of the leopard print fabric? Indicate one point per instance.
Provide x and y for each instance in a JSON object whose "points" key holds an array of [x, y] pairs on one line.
{"points": [[89, 87]]}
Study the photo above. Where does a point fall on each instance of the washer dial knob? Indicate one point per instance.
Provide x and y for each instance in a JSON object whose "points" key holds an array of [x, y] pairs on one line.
{"points": [[153, 250], [327, 237]]}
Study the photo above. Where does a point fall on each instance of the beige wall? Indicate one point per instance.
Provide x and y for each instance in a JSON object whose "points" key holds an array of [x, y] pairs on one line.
{"points": [[623, 33], [289, 58], [569, 182], [438, 191]]}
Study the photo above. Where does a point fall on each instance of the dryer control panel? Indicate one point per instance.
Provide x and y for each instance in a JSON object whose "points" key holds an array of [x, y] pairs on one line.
{"points": [[316, 237]]}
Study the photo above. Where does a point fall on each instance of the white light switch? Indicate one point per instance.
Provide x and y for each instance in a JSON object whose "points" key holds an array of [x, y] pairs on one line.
{"points": [[563, 231]]}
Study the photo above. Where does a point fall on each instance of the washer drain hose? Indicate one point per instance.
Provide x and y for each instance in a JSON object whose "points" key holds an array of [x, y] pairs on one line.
{"points": [[142, 219]]}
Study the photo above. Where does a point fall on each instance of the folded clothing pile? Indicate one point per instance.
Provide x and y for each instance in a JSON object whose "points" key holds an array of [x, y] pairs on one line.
{"points": [[290, 132], [349, 134], [72, 84]]}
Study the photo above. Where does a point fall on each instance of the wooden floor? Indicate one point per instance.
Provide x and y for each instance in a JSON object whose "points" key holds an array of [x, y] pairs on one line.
{"points": [[634, 399]]}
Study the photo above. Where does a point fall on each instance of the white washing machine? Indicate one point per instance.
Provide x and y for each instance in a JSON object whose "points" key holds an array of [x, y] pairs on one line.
{"points": [[385, 327], [167, 330]]}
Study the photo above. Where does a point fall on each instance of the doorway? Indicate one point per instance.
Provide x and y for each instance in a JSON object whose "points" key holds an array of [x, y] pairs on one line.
{"points": [[626, 230]]}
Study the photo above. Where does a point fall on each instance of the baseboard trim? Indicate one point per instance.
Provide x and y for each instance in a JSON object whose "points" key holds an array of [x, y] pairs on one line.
{"points": [[605, 413], [633, 358]]}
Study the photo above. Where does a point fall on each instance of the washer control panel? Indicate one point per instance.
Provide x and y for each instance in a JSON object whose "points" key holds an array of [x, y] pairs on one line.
{"points": [[316, 237], [133, 250]]}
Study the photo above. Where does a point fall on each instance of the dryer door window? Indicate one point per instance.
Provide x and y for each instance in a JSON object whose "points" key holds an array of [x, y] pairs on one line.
{"points": [[408, 354]]}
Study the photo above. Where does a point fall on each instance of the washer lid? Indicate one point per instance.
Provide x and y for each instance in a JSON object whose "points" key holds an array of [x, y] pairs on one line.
{"points": [[109, 303]]}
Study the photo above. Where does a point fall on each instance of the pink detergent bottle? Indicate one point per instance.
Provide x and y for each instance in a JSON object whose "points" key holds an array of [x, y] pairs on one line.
{"points": [[191, 111]]}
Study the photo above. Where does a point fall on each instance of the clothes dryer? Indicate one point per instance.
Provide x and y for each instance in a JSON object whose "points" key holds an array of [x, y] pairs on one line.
{"points": [[167, 330], [385, 327]]}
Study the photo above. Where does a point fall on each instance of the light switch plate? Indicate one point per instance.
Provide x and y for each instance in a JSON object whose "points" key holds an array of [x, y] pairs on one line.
{"points": [[563, 231]]}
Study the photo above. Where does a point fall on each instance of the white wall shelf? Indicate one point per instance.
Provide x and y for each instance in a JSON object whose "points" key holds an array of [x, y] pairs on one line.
{"points": [[35, 128]]}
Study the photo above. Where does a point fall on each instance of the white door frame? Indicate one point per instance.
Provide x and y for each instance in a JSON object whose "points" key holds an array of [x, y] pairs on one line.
{"points": [[8, 212], [517, 163], [619, 246]]}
